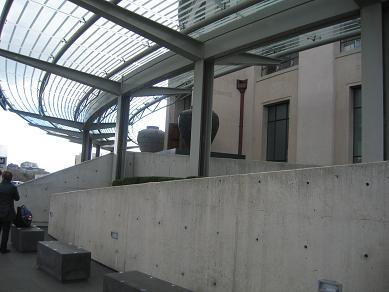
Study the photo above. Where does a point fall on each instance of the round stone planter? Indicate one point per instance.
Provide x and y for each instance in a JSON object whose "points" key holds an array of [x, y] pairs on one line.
{"points": [[151, 139]]}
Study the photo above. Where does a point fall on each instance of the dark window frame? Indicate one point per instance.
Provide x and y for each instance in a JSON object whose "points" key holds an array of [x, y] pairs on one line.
{"points": [[356, 108], [271, 153]]}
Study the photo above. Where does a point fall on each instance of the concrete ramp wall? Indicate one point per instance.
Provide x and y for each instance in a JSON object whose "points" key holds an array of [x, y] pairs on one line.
{"points": [[154, 164], [90, 174], [270, 232]]}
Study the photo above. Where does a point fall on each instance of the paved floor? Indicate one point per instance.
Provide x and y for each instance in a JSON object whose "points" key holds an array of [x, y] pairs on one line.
{"points": [[18, 273]]}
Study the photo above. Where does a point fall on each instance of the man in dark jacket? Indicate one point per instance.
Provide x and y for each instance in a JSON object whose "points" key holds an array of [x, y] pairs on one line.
{"points": [[8, 194]]}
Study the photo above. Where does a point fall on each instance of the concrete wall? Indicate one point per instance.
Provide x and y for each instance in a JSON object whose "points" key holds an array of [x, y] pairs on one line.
{"points": [[91, 174], [347, 75], [271, 232], [316, 106], [151, 164]]}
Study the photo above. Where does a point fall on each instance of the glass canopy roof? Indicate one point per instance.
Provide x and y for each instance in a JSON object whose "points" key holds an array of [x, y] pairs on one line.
{"points": [[63, 33]]}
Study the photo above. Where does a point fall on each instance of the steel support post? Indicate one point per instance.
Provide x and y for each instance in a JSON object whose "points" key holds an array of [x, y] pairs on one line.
{"points": [[200, 147], [86, 152], [385, 19], [120, 146], [372, 83], [98, 148]]}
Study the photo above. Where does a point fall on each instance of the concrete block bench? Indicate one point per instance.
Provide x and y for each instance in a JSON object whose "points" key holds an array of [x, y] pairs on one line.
{"points": [[63, 261], [136, 281], [25, 239]]}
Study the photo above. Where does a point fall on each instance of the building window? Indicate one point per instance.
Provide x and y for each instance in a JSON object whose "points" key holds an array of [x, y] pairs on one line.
{"points": [[287, 61], [357, 124], [277, 132], [350, 44]]}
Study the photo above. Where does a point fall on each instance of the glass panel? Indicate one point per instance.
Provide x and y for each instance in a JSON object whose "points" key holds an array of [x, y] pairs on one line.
{"points": [[357, 137], [281, 140], [271, 126], [271, 113], [357, 92], [282, 111]]}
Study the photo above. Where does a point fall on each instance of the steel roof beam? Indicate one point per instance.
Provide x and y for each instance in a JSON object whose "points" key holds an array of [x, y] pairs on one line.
{"points": [[78, 76], [4, 13], [58, 130], [63, 50], [70, 138], [55, 120], [98, 126], [102, 136], [150, 91], [279, 21], [247, 59], [158, 33], [64, 122]]}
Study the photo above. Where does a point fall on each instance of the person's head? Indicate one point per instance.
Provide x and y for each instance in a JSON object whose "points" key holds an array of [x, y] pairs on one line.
{"points": [[7, 176]]}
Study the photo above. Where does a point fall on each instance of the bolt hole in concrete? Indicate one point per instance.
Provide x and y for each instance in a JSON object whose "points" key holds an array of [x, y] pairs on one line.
{"points": [[185, 227], [159, 222], [214, 283], [365, 255], [257, 239], [305, 246], [259, 181], [367, 184], [307, 182]]}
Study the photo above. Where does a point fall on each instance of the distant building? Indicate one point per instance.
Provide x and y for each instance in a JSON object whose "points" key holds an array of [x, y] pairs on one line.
{"points": [[29, 165]]}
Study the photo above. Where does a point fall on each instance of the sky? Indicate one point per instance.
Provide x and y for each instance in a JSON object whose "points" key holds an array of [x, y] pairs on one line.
{"points": [[22, 142]]}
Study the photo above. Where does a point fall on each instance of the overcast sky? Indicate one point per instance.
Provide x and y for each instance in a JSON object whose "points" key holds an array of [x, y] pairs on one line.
{"points": [[25, 143]]}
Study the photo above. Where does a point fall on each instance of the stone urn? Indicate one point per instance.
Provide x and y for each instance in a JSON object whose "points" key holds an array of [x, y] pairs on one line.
{"points": [[185, 126], [151, 139]]}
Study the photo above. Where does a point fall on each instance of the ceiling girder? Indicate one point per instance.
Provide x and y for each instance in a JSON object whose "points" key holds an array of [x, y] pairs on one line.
{"points": [[55, 120], [64, 122], [150, 91], [158, 33], [279, 21], [78, 76]]}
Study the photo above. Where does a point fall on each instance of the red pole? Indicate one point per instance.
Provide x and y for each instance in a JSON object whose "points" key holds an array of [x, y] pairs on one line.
{"points": [[241, 85]]}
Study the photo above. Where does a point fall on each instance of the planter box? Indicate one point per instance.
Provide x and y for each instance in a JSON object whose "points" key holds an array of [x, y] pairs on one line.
{"points": [[25, 239], [63, 261]]}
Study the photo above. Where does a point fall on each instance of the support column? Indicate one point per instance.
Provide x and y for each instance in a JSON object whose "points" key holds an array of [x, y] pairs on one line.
{"points": [[98, 148], [200, 147], [120, 147], [86, 152], [372, 83], [385, 18]]}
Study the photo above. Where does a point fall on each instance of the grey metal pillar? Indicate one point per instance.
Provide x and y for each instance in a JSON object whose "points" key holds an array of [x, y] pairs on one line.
{"points": [[120, 146], [372, 84], [385, 18], [98, 148], [200, 147], [86, 152]]}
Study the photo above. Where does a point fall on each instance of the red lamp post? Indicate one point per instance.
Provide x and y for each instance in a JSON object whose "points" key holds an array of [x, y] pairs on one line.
{"points": [[241, 85]]}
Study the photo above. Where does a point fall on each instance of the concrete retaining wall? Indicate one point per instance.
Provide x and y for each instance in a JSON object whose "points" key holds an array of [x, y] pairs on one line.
{"points": [[270, 232], [150, 164], [90, 174]]}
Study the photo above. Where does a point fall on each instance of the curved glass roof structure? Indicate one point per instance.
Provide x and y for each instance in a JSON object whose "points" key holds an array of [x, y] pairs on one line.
{"points": [[64, 63]]}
